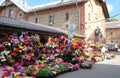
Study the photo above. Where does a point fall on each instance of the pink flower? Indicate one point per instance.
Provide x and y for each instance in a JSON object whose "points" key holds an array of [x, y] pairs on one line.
{"points": [[57, 50], [52, 57], [16, 73], [28, 57], [62, 37], [56, 39], [60, 60], [44, 50], [15, 41], [48, 51]]}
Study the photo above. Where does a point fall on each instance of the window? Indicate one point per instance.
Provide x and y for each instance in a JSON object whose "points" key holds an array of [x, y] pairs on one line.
{"points": [[51, 19], [36, 20], [111, 41], [11, 13], [66, 25], [20, 14], [67, 16], [89, 16], [111, 33]]}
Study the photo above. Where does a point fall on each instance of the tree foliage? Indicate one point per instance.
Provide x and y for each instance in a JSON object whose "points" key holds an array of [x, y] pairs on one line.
{"points": [[111, 19]]}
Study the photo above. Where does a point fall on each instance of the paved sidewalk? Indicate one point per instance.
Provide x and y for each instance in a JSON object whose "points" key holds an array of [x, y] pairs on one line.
{"points": [[105, 69], [115, 61]]}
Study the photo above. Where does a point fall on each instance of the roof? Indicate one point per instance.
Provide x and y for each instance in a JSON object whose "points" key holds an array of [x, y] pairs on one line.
{"points": [[20, 4], [113, 24], [28, 9], [105, 9], [54, 4], [67, 2], [9, 22]]}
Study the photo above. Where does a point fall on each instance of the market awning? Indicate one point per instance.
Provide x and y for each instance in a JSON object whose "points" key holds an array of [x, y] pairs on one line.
{"points": [[13, 24], [9, 22]]}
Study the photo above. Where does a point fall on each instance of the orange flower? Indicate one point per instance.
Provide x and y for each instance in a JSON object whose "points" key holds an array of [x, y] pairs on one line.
{"points": [[16, 50], [74, 44], [20, 51]]}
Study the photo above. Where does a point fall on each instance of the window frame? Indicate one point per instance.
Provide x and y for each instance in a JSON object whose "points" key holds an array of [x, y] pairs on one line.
{"points": [[11, 13], [51, 19], [67, 16], [36, 20]]}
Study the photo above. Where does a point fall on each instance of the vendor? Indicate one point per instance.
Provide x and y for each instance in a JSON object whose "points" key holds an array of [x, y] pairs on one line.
{"points": [[103, 49]]}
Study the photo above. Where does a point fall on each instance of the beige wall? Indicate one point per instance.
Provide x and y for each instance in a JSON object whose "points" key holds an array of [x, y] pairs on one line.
{"points": [[93, 16], [59, 18], [115, 36]]}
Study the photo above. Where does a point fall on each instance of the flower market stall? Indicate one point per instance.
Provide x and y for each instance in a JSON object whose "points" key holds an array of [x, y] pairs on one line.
{"points": [[27, 56], [42, 55]]}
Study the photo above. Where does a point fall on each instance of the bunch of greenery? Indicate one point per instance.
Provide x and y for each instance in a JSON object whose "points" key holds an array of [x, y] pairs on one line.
{"points": [[44, 73], [61, 69]]}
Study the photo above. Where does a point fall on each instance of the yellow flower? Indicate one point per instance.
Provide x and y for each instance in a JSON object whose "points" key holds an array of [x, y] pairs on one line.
{"points": [[18, 76], [42, 62], [49, 67], [32, 54], [49, 41], [82, 57]]}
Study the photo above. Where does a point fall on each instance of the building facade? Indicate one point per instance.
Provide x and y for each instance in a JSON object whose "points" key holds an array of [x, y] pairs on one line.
{"points": [[87, 15], [112, 32]]}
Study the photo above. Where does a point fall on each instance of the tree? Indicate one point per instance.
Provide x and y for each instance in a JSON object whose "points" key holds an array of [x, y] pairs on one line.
{"points": [[111, 20]]}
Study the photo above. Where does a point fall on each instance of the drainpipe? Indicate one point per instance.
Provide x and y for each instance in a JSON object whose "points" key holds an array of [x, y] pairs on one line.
{"points": [[76, 1]]}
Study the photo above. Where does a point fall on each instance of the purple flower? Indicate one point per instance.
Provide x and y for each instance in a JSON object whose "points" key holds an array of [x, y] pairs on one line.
{"points": [[26, 36], [15, 41]]}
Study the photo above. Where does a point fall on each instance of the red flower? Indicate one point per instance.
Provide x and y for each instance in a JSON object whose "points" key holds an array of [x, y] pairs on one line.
{"points": [[2, 48], [26, 41], [13, 54], [16, 50], [3, 40], [61, 47], [5, 74], [8, 39]]}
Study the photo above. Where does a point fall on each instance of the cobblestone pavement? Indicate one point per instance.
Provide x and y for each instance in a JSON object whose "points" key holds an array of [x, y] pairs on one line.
{"points": [[104, 69]]}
